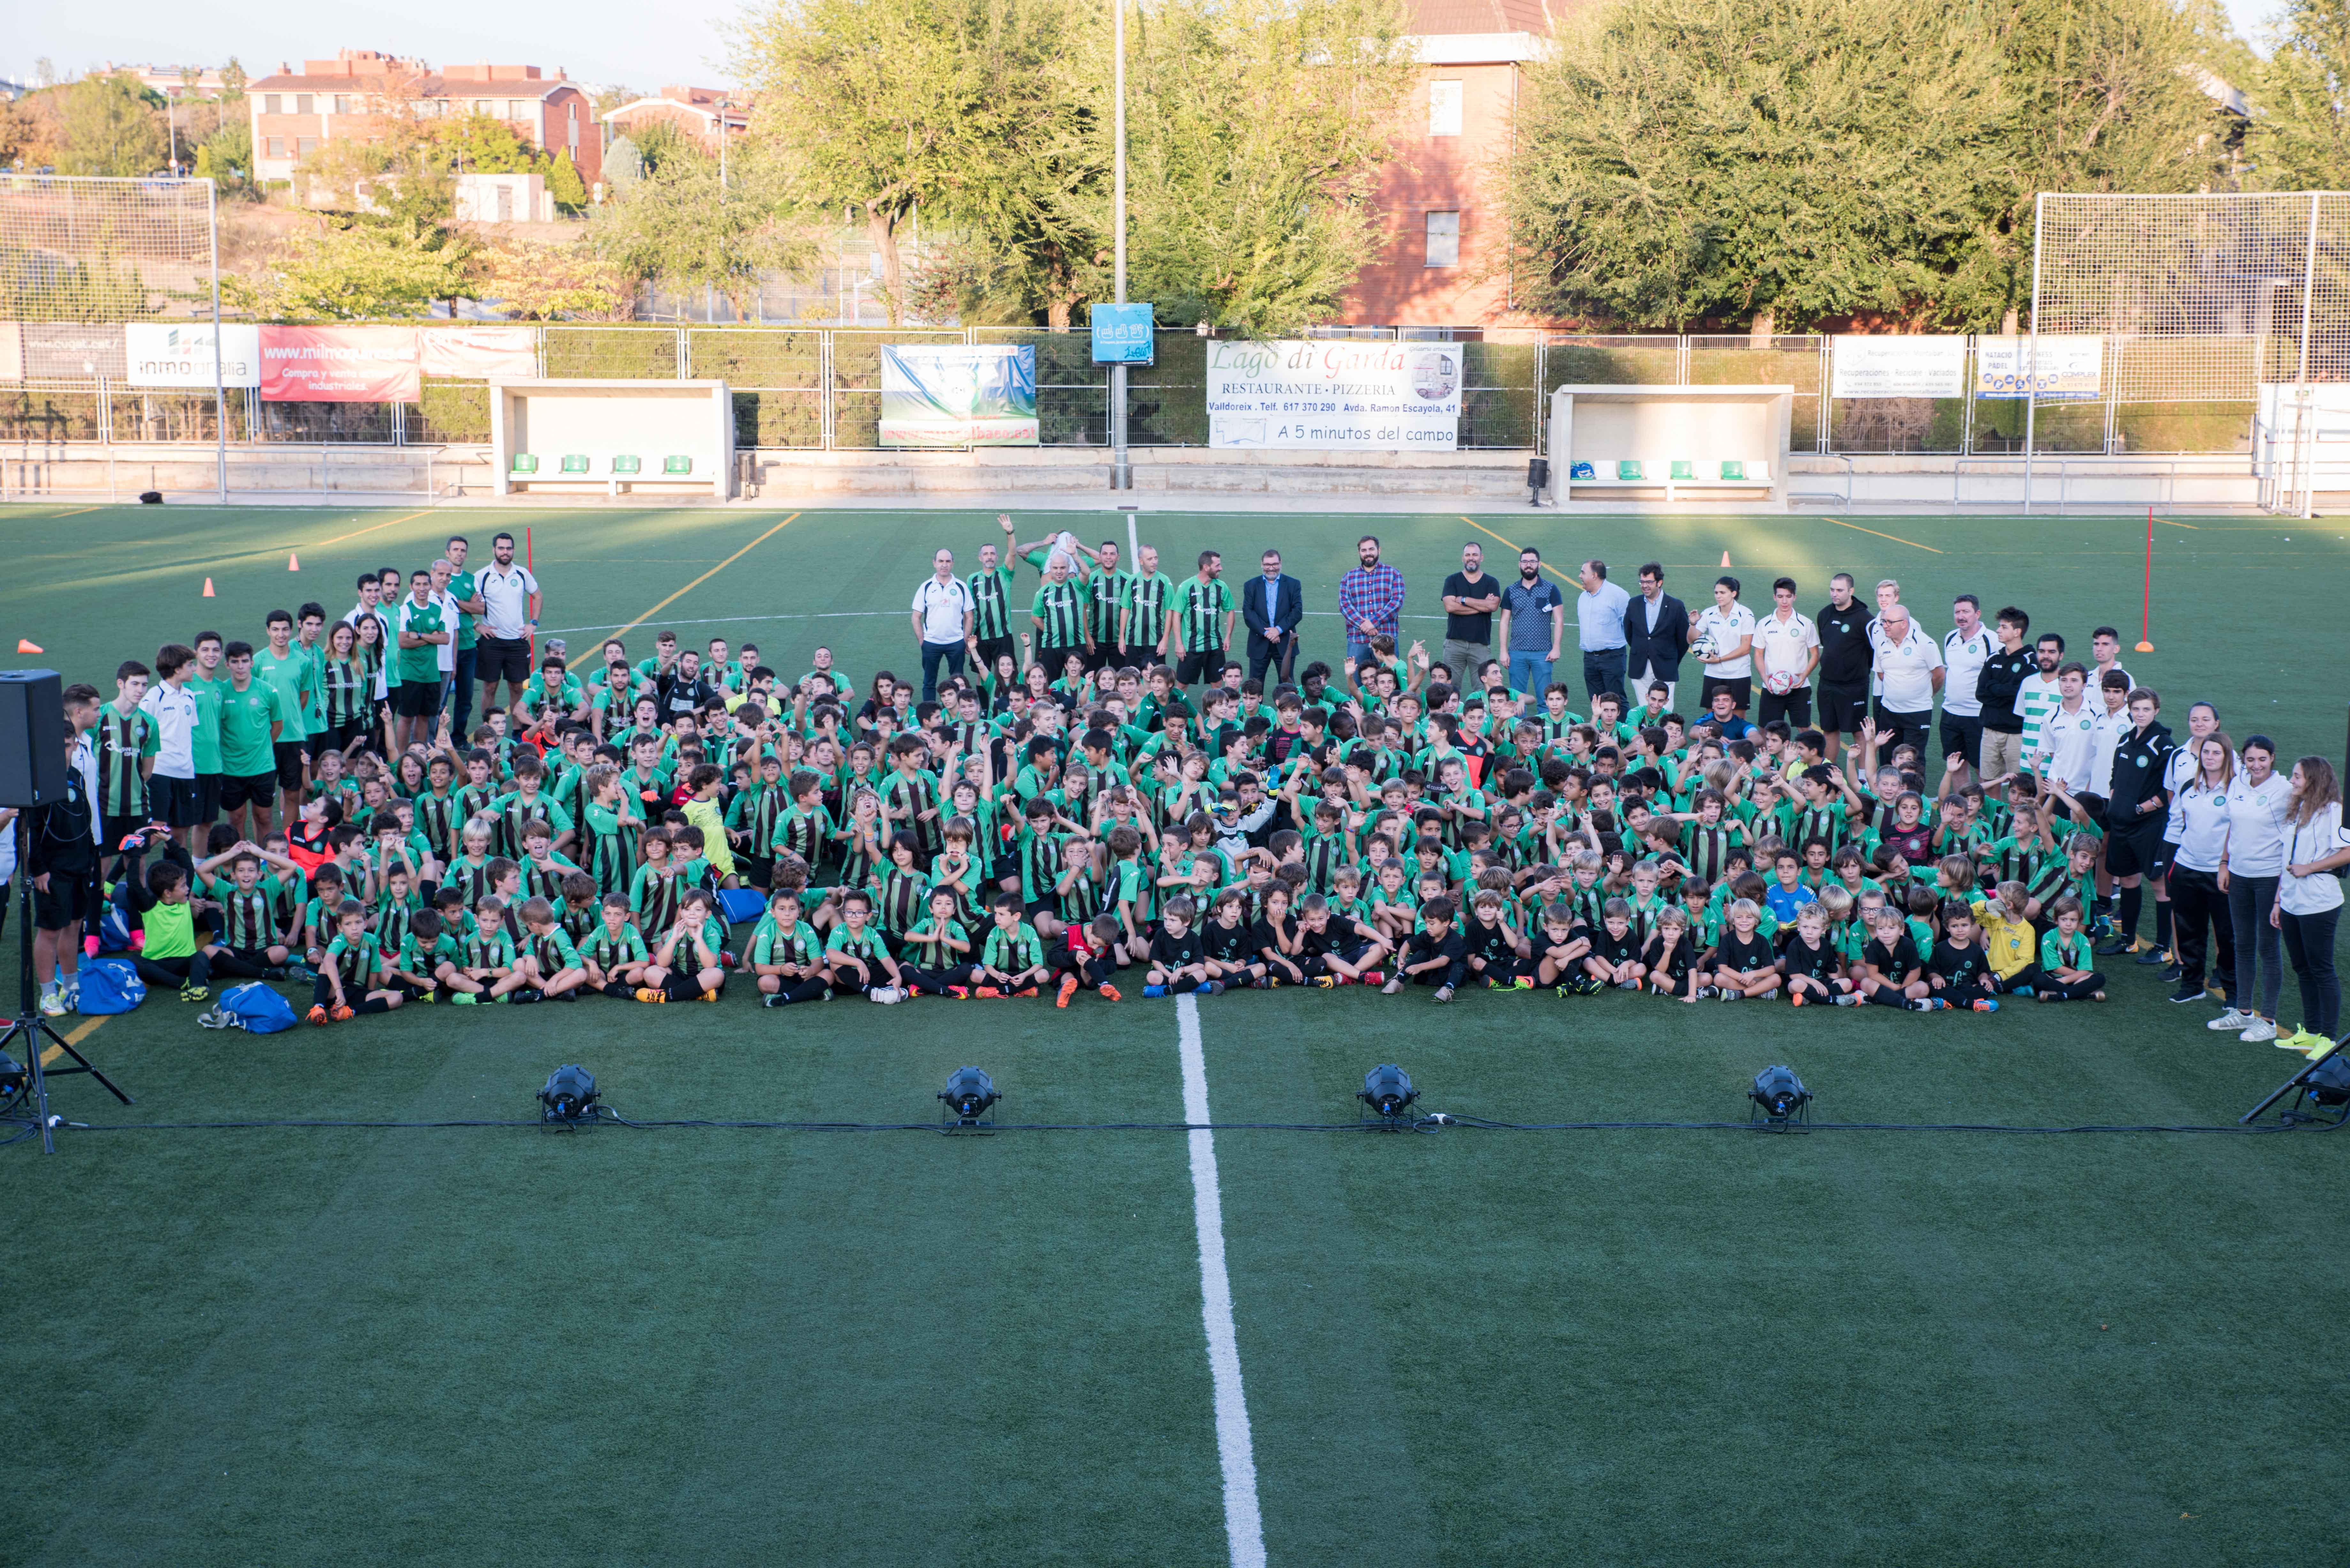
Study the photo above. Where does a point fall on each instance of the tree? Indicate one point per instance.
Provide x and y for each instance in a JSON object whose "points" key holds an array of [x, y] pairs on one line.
{"points": [[545, 282], [675, 224], [225, 157], [358, 271], [882, 106], [232, 81], [477, 144], [2300, 137], [1256, 131], [565, 185], [108, 125]]}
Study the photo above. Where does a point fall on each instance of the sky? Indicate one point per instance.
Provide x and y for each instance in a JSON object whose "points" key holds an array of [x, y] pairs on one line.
{"points": [[605, 42]]}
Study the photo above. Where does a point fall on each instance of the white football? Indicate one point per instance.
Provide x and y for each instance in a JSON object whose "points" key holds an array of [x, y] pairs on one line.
{"points": [[1067, 542], [1779, 682], [1702, 647]]}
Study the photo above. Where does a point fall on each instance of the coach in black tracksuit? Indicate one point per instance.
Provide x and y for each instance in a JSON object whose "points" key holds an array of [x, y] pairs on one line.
{"points": [[2136, 810]]}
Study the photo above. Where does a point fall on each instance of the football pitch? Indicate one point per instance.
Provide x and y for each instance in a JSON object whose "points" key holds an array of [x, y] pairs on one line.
{"points": [[865, 1343]]}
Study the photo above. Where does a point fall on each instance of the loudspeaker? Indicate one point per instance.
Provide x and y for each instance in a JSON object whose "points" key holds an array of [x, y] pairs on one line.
{"points": [[32, 737]]}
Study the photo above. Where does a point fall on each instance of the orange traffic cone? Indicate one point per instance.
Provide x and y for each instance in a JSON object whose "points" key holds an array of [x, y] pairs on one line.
{"points": [[208, 587], [293, 563], [1725, 558], [25, 645]]}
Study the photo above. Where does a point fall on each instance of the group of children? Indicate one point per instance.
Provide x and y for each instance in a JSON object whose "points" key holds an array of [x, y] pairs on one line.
{"points": [[1041, 833]]}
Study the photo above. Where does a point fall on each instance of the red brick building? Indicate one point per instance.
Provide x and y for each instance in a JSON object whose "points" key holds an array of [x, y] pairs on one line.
{"points": [[1443, 262], [700, 112], [359, 92]]}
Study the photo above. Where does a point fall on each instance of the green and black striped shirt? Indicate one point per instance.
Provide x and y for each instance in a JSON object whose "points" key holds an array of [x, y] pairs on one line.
{"points": [[991, 603], [1199, 608]]}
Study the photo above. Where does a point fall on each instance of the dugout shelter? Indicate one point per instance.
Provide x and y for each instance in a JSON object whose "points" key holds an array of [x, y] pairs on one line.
{"points": [[585, 437]]}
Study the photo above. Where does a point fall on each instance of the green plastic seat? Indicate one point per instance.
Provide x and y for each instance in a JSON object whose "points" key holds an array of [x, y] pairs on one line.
{"points": [[576, 462], [1683, 469], [1733, 470], [524, 463], [627, 464], [677, 465], [1627, 468]]}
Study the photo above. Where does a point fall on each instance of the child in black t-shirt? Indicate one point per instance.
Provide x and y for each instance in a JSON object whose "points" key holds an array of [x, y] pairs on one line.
{"points": [[1615, 956], [1492, 947], [1434, 954], [1336, 950], [1278, 940], [1671, 956], [1564, 942], [1178, 961], [1959, 970], [1809, 960], [1892, 976], [1744, 963], [1232, 954]]}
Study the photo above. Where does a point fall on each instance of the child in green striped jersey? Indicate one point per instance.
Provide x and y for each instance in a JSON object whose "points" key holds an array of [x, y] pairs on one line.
{"points": [[550, 965], [352, 979], [613, 954]]}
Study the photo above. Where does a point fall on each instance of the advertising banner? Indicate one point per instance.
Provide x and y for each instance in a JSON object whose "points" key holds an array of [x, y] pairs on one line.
{"points": [[1334, 395], [338, 365], [954, 394], [479, 353], [2071, 368], [1882, 365], [180, 353], [1121, 333], [72, 351]]}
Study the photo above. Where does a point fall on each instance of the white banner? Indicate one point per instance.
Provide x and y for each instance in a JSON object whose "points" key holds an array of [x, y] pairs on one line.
{"points": [[1884, 365], [2070, 367], [1334, 395], [180, 353]]}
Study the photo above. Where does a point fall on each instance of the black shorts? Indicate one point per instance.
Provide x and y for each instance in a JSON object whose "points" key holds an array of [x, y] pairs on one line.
{"points": [[2139, 851], [1842, 708], [260, 790], [72, 896], [177, 802], [1740, 687], [1963, 737], [1206, 665], [1795, 707], [340, 737], [989, 650], [502, 659], [1056, 659], [289, 762], [416, 699], [208, 797]]}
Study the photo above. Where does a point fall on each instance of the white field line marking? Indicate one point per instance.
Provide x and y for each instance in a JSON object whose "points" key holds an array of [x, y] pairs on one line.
{"points": [[1243, 1526]]}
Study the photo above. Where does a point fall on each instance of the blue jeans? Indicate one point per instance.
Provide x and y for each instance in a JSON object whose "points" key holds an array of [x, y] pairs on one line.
{"points": [[933, 653], [1528, 673], [1602, 671]]}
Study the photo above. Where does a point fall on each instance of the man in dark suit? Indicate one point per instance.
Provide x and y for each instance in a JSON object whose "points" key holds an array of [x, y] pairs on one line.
{"points": [[1272, 607], [1655, 636]]}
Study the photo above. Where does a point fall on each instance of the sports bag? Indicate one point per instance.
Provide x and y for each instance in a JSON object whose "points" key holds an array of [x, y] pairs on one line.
{"points": [[740, 905], [109, 985], [255, 1009]]}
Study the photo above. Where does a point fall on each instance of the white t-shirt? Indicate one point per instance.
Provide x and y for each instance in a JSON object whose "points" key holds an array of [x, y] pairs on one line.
{"points": [[1786, 645], [941, 607], [1905, 671], [1729, 627], [2069, 742], [2256, 825], [173, 710], [2033, 701], [505, 600], [2315, 839], [2111, 730], [1963, 656]]}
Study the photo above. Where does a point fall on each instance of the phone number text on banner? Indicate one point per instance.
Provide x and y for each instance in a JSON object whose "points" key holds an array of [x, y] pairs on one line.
{"points": [[1307, 395]]}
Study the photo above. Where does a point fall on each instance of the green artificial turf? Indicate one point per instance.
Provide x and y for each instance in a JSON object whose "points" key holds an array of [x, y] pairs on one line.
{"points": [[1465, 1346]]}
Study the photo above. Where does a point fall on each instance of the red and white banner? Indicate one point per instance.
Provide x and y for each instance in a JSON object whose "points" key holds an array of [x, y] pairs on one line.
{"points": [[480, 353], [338, 365]]}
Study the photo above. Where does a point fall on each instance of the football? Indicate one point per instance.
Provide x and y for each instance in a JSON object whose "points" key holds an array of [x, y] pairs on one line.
{"points": [[1779, 682], [1703, 647]]}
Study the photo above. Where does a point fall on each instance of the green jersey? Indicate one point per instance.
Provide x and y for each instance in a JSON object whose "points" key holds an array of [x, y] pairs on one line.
{"points": [[420, 665], [991, 603], [607, 951], [246, 921], [1144, 601], [1010, 952], [123, 743], [1200, 608], [296, 684], [866, 946], [465, 586], [354, 964], [552, 949], [771, 944], [1060, 608], [1105, 598], [204, 742], [248, 728]]}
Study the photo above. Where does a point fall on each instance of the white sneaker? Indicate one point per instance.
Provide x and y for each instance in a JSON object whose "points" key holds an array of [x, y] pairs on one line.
{"points": [[52, 1004], [886, 994], [2260, 1034], [2230, 1020]]}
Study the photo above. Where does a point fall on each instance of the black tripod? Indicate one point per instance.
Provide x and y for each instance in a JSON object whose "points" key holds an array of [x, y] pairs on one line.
{"points": [[34, 1032]]}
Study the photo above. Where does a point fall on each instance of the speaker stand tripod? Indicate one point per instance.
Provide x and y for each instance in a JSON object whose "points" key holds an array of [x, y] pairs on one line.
{"points": [[32, 1032]]}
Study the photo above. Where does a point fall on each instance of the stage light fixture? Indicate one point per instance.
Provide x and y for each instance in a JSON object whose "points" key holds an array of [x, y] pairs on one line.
{"points": [[1386, 1090], [14, 1078], [569, 1096], [969, 1094], [1780, 1099], [2326, 1088]]}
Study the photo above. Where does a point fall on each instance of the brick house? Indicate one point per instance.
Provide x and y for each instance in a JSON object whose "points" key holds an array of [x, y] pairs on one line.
{"points": [[696, 111], [355, 94]]}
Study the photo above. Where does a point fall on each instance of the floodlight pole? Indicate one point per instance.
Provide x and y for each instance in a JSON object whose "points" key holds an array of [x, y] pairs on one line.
{"points": [[1121, 472], [220, 393], [2031, 372]]}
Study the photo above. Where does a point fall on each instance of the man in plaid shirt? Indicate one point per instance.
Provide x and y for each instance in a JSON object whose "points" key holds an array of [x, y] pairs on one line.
{"points": [[1371, 598]]}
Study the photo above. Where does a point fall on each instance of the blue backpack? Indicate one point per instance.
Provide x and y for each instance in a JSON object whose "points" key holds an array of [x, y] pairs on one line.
{"points": [[740, 905], [110, 985], [255, 1009], [113, 930]]}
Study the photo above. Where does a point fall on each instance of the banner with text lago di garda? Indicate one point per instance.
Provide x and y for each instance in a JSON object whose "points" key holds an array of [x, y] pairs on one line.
{"points": [[1334, 395], [954, 394], [338, 365]]}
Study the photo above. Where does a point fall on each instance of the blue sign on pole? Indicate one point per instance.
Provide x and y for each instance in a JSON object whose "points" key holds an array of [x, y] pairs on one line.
{"points": [[1121, 333]]}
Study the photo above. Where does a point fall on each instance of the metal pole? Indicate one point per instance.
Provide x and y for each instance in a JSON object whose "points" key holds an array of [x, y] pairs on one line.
{"points": [[220, 390], [1121, 472], [2304, 443], [2031, 371]]}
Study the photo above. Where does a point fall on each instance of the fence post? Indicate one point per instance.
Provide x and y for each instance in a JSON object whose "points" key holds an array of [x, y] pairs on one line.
{"points": [[823, 387]]}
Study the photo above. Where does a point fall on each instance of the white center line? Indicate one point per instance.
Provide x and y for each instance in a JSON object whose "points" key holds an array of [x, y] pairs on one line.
{"points": [[1243, 1526]]}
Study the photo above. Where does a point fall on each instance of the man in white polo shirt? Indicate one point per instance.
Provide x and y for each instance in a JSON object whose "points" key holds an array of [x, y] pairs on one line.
{"points": [[1731, 667], [2070, 734], [1906, 672], [943, 619], [171, 797], [1787, 643], [510, 599], [1965, 648]]}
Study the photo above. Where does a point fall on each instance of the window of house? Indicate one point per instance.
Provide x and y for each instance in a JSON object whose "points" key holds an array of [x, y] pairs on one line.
{"points": [[277, 147], [572, 125], [1444, 239], [1445, 108], [269, 102], [342, 104], [302, 103], [518, 109], [485, 106], [309, 145]]}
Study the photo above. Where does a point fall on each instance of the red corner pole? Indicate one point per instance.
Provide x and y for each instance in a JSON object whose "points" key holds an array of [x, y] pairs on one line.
{"points": [[533, 636], [2146, 610]]}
